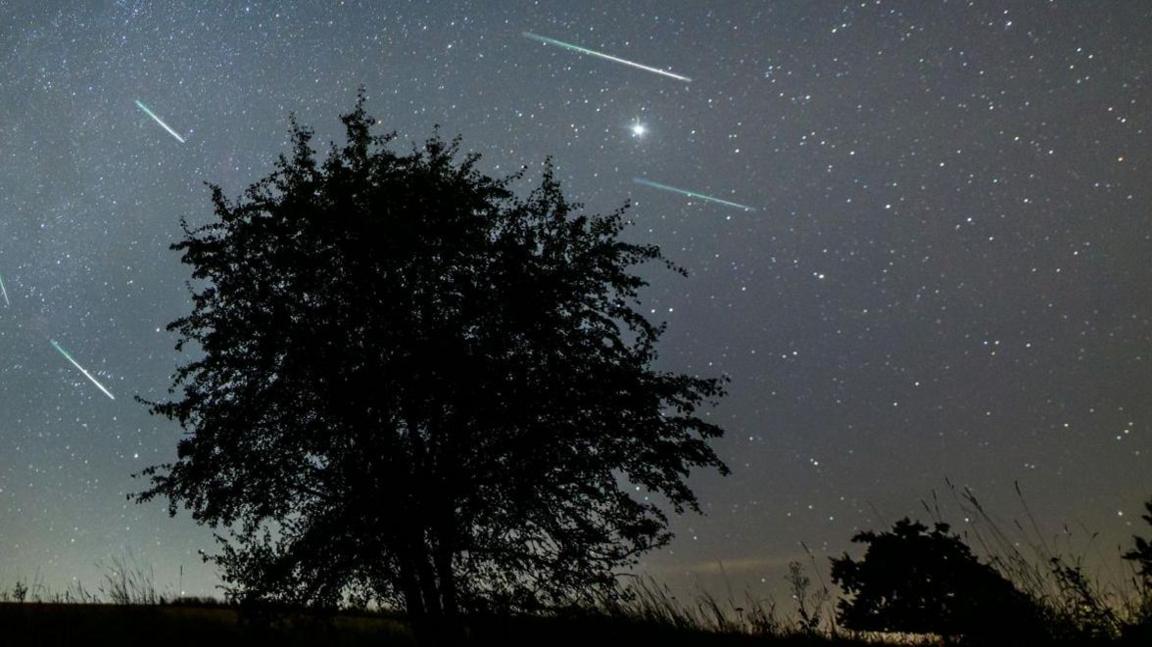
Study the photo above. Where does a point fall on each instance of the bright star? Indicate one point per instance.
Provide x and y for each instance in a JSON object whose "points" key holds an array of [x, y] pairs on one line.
{"points": [[638, 129]]}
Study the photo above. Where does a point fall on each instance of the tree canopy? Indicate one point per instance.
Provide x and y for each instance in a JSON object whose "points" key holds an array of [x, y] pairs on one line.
{"points": [[919, 581], [414, 387]]}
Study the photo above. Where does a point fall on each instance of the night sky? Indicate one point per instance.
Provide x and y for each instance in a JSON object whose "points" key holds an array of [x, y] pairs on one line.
{"points": [[946, 270]]}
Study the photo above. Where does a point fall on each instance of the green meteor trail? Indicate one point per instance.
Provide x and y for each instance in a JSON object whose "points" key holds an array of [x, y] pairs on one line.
{"points": [[81, 368], [4, 291], [159, 121], [691, 194], [614, 59]]}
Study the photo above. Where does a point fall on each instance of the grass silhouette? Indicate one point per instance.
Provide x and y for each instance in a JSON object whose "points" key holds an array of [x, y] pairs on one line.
{"points": [[126, 608]]}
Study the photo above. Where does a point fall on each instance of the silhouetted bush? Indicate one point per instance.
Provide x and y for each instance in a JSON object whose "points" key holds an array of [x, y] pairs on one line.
{"points": [[1141, 554], [1140, 630], [928, 582], [20, 591]]}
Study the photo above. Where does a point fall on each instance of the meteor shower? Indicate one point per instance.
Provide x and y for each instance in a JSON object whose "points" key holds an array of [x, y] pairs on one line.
{"points": [[659, 322]]}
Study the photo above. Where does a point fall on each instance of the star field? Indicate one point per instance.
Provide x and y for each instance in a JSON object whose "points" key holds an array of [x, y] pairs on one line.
{"points": [[945, 272]]}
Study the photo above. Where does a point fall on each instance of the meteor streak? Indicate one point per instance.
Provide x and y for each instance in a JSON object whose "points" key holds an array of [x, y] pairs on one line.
{"points": [[81, 368], [4, 291], [691, 194], [159, 121], [614, 59]]}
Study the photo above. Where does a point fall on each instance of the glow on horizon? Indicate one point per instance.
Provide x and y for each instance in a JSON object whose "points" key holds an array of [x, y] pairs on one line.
{"points": [[691, 194], [81, 369], [609, 57], [159, 121]]}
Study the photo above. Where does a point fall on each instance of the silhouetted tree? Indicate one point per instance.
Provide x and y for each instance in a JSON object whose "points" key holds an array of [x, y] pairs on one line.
{"points": [[915, 581], [417, 388], [1142, 552]]}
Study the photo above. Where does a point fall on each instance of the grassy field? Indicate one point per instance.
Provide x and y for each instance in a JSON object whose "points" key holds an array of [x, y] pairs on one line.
{"points": [[171, 626], [1074, 607], [217, 626], [167, 625]]}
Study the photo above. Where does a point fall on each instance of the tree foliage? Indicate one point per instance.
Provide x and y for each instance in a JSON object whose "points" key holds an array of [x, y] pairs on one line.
{"points": [[1141, 552], [919, 581], [415, 387]]}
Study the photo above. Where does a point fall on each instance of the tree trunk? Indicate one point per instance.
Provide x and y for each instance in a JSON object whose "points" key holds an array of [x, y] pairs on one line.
{"points": [[447, 578], [413, 599], [427, 577]]}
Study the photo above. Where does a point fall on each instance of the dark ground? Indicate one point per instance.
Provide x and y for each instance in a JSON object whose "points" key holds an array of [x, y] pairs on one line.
{"points": [[92, 625]]}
